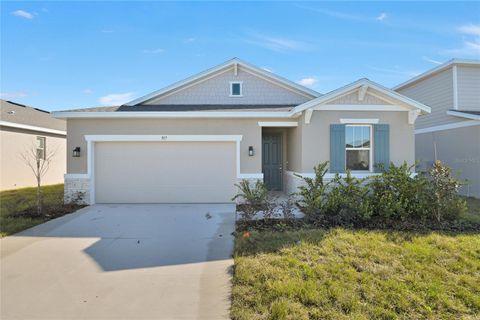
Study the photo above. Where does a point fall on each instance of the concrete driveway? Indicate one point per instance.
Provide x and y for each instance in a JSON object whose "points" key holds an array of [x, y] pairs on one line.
{"points": [[146, 261]]}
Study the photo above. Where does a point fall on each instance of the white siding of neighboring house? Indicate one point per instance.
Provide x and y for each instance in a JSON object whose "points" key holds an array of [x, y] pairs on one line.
{"points": [[216, 90], [468, 87], [436, 92]]}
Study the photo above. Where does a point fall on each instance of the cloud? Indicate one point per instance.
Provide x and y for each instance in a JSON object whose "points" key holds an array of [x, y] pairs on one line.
{"points": [[309, 81], [113, 99], [278, 44], [153, 51], [470, 42], [431, 60], [10, 95], [344, 15], [190, 40], [23, 14], [382, 16], [470, 29], [87, 91]]}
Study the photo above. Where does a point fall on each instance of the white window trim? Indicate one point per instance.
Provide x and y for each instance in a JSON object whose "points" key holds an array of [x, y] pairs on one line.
{"points": [[359, 121], [92, 139], [370, 149], [44, 149], [231, 89]]}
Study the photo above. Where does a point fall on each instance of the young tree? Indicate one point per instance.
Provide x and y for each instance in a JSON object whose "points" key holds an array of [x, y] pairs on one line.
{"points": [[38, 159]]}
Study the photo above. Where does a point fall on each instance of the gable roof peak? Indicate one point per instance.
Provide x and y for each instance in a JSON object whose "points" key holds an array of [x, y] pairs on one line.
{"points": [[229, 63], [388, 93]]}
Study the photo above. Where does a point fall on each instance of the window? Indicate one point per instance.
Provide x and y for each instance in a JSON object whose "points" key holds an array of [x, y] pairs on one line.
{"points": [[235, 89], [41, 148], [358, 147]]}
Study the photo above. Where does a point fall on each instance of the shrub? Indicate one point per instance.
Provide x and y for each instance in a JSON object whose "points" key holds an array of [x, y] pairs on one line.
{"points": [[255, 199], [446, 204], [397, 194], [347, 201], [312, 193]]}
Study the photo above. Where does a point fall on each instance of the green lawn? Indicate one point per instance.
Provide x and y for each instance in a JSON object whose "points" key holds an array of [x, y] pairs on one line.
{"points": [[357, 274], [18, 207]]}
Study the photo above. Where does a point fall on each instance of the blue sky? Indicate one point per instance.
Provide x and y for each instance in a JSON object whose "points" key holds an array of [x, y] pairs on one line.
{"points": [[60, 55]]}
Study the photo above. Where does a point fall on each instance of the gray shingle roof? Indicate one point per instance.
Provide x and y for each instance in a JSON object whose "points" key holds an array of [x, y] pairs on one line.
{"points": [[21, 114], [184, 108]]}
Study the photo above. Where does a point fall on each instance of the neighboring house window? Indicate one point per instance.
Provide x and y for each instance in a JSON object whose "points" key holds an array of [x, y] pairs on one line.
{"points": [[41, 148], [235, 89], [358, 147]]}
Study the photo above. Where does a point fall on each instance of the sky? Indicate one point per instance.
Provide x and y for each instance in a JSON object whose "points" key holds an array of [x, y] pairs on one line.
{"points": [[62, 55]]}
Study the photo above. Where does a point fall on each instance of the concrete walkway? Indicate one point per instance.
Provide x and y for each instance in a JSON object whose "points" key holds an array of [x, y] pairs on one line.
{"points": [[147, 261]]}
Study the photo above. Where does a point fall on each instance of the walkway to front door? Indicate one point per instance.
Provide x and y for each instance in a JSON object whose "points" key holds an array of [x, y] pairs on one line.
{"points": [[272, 160]]}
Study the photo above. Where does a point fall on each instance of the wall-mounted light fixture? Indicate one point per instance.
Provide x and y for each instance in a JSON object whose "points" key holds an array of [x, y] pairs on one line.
{"points": [[76, 152], [250, 151]]}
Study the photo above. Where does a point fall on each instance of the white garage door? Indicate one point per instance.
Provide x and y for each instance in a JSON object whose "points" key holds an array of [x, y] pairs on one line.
{"points": [[164, 172]]}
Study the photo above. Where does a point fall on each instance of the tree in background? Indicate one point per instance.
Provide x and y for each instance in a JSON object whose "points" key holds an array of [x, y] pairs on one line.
{"points": [[38, 159]]}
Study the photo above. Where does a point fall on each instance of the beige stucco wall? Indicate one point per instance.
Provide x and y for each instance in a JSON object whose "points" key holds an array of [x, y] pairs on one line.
{"points": [[248, 128], [315, 138], [457, 148], [216, 90], [14, 172], [294, 148], [305, 146]]}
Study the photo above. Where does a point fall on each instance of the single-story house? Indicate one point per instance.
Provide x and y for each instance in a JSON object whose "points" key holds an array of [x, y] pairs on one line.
{"points": [[25, 130], [451, 132], [193, 140]]}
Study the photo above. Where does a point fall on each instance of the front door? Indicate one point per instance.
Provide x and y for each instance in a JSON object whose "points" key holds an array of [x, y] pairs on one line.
{"points": [[272, 160]]}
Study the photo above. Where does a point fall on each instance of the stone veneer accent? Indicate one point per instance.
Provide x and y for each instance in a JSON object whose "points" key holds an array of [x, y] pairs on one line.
{"points": [[76, 189]]}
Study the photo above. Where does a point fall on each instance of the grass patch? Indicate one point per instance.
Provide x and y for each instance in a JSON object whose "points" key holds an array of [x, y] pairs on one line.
{"points": [[356, 274], [18, 208]]}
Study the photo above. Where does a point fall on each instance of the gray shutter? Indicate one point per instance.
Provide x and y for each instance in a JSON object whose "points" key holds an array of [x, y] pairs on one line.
{"points": [[381, 145], [337, 148]]}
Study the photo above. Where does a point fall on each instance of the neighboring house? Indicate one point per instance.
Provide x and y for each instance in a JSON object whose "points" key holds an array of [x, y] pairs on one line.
{"points": [[193, 140], [451, 133], [23, 129]]}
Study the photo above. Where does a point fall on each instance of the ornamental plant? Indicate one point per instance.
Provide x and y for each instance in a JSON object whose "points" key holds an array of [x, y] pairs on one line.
{"points": [[444, 193]]}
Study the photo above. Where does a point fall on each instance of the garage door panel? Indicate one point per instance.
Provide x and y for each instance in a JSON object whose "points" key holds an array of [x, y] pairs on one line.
{"points": [[149, 172]]}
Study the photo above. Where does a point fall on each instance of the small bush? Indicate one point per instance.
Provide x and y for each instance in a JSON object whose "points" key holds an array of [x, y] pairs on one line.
{"points": [[446, 204], [396, 194], [313, 193], [254, 199], [347, 202]]}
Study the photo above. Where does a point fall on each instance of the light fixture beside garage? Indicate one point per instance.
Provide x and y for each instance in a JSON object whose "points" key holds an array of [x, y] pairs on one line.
{"points": [[250, 151], [76, 152]]}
